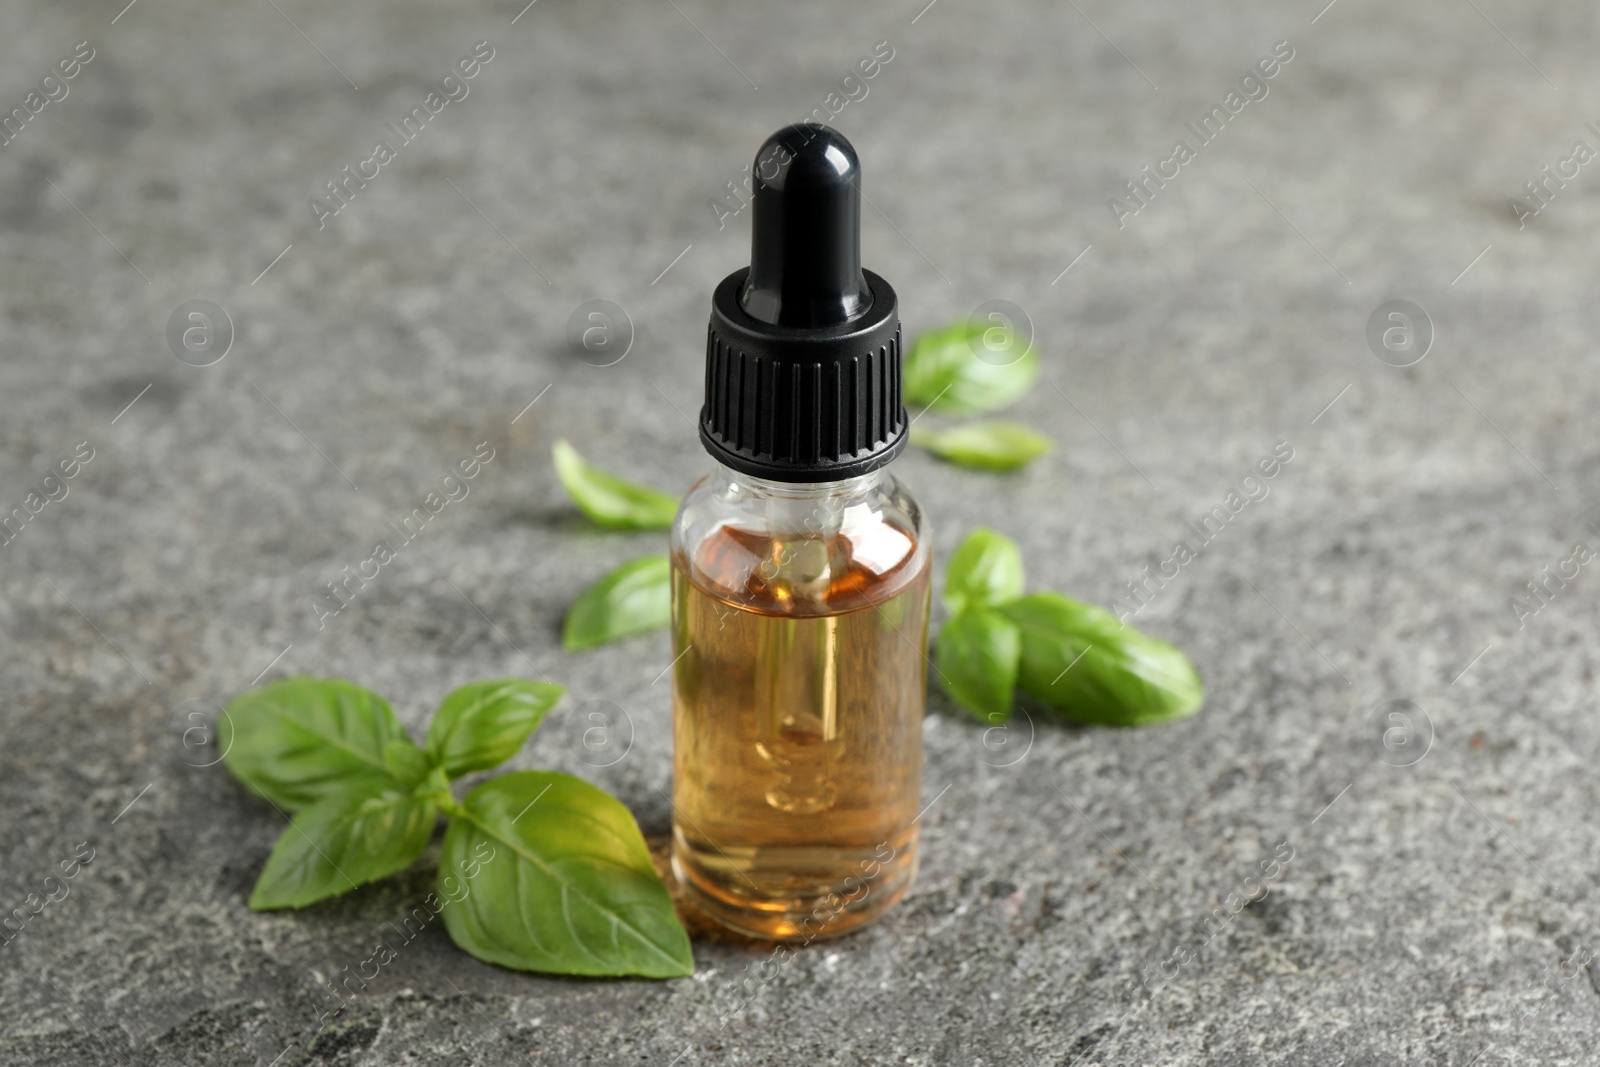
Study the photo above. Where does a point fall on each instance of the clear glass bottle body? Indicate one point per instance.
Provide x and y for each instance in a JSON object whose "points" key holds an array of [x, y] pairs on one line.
{"points": [[800, 624]]}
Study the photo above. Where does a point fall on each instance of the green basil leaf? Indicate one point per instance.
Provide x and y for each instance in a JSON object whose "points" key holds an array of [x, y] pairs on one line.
{"points": [[994, 446], [484, 724], [435, 785], [943, 369], [567, 886], [986, 569], [1079, 660], [297, 740], [344, 840], [408, 763], [607, 499], [633, 599], [976, 662]]}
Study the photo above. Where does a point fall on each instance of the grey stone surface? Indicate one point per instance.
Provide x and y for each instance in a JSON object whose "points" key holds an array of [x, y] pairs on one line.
{"points": [[1427, 909]]}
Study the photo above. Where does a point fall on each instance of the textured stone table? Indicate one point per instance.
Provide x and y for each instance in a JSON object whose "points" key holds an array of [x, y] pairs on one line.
{"points": [[1443, 866]]}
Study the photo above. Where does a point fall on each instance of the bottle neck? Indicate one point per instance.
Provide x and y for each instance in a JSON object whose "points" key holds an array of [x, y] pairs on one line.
{"points": [[844, 489], [815, 508]]}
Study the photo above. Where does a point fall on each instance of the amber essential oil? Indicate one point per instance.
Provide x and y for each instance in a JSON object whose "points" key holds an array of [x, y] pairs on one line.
{"points": [[800, 578], [798, 722]]}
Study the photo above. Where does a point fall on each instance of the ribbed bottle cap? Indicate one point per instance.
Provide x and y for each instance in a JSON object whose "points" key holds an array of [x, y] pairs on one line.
{"points": [[803, 350]]}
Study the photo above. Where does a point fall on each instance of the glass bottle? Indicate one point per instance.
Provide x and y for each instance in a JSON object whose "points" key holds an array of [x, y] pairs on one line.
{"points": [[800, 616], [800, 578]]}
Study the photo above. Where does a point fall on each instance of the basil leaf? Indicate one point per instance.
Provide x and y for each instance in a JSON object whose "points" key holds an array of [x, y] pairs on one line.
{"points": [[976, 660], [297, 740], [1079, 660], [568, 888], [607, 499], [344, 840], [484, 724], [986, 569], [943, 370], [994, 446], [408, 763], [633, 599]]}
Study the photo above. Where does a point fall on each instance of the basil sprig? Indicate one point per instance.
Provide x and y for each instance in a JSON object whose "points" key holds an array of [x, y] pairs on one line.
{"points": [[1074, 658], [544, 871]]}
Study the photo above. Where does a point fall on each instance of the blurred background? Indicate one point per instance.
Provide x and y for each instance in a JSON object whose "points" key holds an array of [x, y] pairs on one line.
{"points": [[368, 319]]}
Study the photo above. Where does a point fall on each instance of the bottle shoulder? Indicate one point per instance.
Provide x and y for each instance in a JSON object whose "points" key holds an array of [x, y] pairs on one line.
{"points": [[798, 552]]}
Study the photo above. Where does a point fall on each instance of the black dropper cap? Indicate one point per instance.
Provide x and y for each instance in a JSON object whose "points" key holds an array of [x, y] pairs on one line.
{"points": [[803, 352]]}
